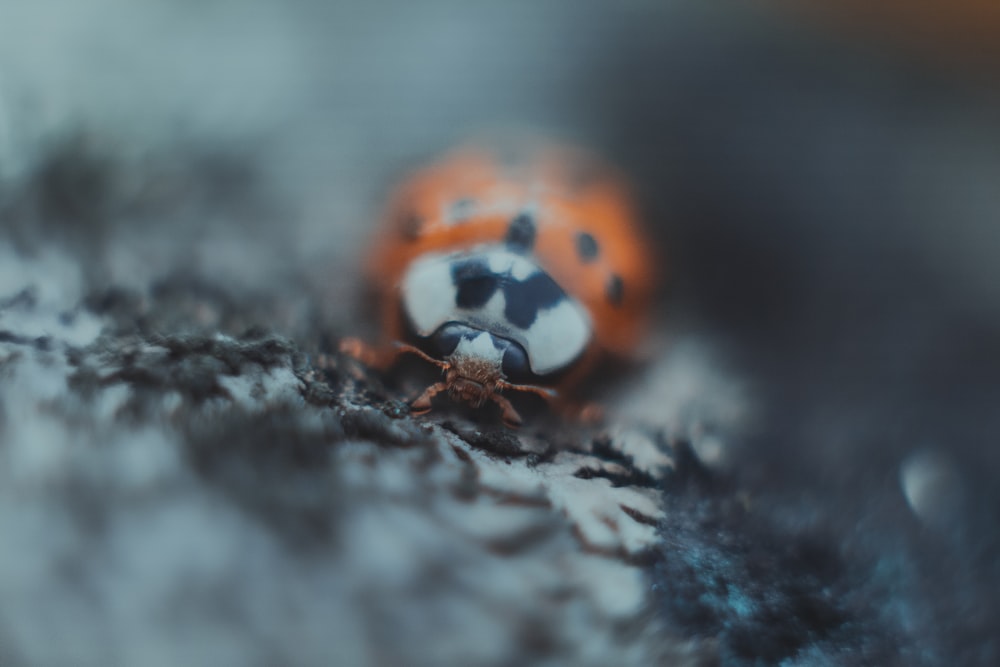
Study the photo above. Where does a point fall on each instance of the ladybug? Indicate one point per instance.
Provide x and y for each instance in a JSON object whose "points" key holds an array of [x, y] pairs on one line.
{"points": [[512, 272]]}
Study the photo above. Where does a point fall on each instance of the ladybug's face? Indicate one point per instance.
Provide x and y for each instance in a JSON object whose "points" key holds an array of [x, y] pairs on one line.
{"points": [[474, 370], [455, 342], [537, 328]]}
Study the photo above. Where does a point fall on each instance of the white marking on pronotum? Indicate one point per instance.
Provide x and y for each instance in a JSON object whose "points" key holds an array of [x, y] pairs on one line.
{"points": [[428, 293], [558, 335], [480, 347]]}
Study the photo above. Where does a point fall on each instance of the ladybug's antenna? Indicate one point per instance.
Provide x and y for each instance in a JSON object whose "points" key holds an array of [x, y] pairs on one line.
{"points": [[406, 348]]}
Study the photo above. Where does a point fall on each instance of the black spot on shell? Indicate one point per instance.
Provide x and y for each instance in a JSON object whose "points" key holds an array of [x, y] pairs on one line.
{"points": [[521, 233], [475, 283], [586, 247], [410, 225], [524, 299], [615, 290]]}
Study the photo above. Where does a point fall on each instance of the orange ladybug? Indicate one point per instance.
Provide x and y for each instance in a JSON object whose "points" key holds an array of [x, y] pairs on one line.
{"points": [[509, 272]]}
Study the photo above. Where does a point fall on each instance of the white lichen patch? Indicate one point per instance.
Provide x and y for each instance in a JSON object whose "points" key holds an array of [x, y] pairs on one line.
{"points": [[258, 388], [597, 510], [642, 448], [622, 590], [689, 392], [520, 539]]}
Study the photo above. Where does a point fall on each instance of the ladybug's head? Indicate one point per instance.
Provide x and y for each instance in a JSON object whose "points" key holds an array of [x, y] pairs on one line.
{"points": [[477, 367]]}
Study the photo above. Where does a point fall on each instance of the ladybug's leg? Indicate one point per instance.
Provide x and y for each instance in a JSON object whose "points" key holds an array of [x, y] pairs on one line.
{"points": [[509, 415], [588, 413], [379, 358], [546, 393], [422, 404]]}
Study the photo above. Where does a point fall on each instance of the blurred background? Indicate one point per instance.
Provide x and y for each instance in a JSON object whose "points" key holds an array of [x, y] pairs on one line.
{"points": [[821, 179]]}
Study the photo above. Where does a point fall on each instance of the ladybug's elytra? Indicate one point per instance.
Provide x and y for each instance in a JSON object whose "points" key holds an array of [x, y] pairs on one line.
{"points": [[511, 273]]}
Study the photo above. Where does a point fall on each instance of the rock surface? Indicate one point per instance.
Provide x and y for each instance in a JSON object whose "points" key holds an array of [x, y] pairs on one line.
{"points": [[801, 471]]}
